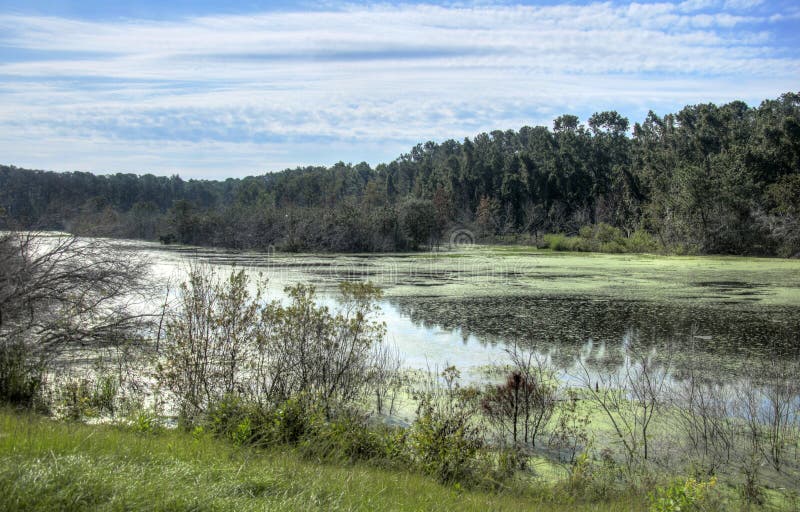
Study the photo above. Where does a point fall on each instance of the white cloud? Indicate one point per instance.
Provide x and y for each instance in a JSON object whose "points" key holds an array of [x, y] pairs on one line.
{"points": [[315, 85], [742, 4]]}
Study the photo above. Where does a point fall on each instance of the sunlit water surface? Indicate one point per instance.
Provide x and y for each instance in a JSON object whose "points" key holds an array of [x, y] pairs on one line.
{"points": [[473, 330]]}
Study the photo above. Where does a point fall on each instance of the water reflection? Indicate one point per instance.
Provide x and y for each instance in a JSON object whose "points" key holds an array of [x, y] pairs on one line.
{"points": [[473, 332], [563, 326]]}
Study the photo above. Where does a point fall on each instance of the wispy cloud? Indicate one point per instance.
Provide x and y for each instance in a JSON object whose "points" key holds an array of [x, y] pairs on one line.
{"points": [[359, 82]]}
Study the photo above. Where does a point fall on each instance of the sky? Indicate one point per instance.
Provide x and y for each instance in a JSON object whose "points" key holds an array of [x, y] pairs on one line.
{"points": [[210, 89]]}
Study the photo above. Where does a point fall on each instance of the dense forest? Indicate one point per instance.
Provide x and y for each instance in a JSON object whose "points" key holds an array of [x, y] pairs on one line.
{"points": [[707, 179]]}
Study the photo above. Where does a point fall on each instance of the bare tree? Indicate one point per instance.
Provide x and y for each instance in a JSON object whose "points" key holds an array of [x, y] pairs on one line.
{"points": [[60, 290], [768, 404], [540, 398], [704, 415], [57, 293], [629, 396], [385, 378]]}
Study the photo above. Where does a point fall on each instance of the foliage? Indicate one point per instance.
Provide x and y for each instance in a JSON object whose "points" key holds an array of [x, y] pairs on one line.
{"points": [[595, 480], [709, 178], [417, 219], [58, 293], [79, 398], [47, 465], [684, 496], [206, 337], [444, 439], [603, 238], [522, 405], [21, 378], [225, 341]]}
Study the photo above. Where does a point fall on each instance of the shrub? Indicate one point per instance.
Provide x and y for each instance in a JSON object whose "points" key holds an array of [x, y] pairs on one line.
{"points": [[444, 441], [613, 247], [206, 338], [561, 242], [145, 422], [292, 420], [556, 242], [347, 437], [340, 434], [73, 399], [586, 232], [683, 496], [224, 340], [602, 238], [232, 419], [641, 241], [103, 395], [86, 398], [590, 480], [521, 406], [605, 233], [20, 378]]}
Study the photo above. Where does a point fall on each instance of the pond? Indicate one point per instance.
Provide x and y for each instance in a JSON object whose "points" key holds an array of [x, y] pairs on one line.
{"points": [[465, 307]]}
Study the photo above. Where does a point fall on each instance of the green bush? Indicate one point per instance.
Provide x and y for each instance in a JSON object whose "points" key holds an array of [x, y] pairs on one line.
{"points": [[444, 441], [555, 242], [73, 400], [586, 232], [145, 422], [292, 420], [343, 434], [594, 480], [602, 238], [684, 496], [346, 437], [20, 378], [642, 241], [561, 242], [103, 396], [613, 247], [605, 233]]}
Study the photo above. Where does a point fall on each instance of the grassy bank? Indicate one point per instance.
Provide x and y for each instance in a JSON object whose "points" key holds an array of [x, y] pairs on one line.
{"points": [[50, 465]]}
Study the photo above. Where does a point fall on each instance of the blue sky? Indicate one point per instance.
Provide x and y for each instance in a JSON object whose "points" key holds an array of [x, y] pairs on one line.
{"points": [[218, 89]]}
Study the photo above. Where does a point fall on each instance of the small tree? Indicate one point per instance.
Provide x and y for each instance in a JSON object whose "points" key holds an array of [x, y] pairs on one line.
{"points": [[307, 349], [521, 403], [385, 377], [570, 433], [207, 339]]}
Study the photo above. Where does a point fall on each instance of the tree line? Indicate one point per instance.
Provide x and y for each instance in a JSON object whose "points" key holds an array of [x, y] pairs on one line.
{"points": [[707, 179]]}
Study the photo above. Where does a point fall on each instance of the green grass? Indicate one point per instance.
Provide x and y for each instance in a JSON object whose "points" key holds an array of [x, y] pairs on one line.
{"points": [[50, 465]]}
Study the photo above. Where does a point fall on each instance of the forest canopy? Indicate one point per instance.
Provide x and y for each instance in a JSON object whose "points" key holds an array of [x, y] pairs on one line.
{"points": [[707, 179]]}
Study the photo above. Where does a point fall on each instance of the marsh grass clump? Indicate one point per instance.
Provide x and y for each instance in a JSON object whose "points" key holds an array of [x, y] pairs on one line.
{"points": [[605, 238]]}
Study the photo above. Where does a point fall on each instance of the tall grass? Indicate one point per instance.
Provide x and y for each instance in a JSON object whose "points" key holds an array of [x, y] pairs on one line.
{"points": [[49, 465]]}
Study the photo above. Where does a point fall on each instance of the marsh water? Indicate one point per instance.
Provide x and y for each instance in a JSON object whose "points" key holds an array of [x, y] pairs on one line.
{"points": [[466, 307]]}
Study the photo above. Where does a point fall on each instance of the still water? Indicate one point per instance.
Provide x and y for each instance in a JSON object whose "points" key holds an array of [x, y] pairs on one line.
{"points": [[467, 308]]}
